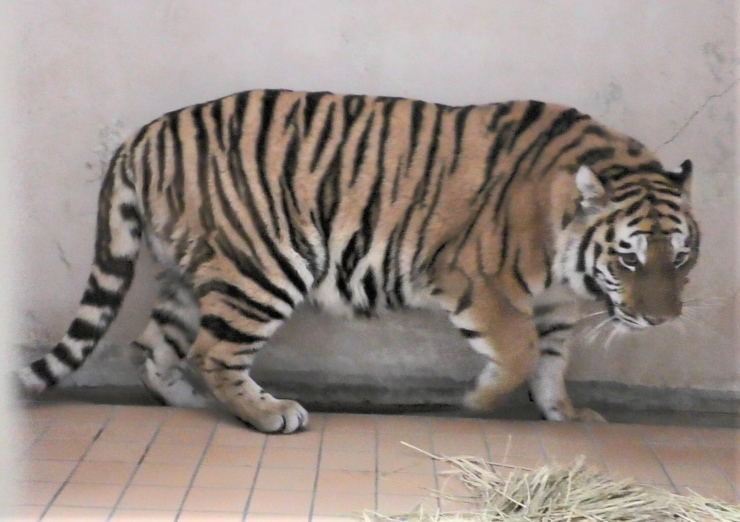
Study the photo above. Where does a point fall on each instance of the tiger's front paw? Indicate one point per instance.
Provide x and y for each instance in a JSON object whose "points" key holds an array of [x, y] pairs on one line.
{"points": [[279, 416]]}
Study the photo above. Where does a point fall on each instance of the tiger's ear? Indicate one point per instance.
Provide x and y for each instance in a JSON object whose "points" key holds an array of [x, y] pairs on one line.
{"points": [[591, 189], [682, 177]]}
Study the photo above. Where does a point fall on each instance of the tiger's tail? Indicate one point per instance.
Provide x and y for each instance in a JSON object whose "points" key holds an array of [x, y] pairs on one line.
{"points": [[117, 244]]}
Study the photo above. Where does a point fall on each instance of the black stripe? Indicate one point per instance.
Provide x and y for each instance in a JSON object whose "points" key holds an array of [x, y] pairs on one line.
{"points": [[96, 295], [466, 300], [161, 148], [554, 328], [83, 330], [178, 176], [460, 119], [41, 369], [269, 100], [590, 157], [634, 207], [504, 244], [205, 211], [181, 353], [531, 115], [223, 331], [223, 365], [670, 204], [238, 295], [217, 115], [502, 109], [64, 355], [585, 242], [323, 137], [309, 110], [370, 288], [146, 179], [249, 270], [519, 276], [361, 149], [626, 195], [417, 120], [227, 207], [166, 318], [470, 334], [609, 237], [550, 352]]}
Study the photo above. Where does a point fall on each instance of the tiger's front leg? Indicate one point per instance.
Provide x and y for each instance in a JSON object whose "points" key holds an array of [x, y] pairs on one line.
{"points": [[493, 328], [232, 331]]}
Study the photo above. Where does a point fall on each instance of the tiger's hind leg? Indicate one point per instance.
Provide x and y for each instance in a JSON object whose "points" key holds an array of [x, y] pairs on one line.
{"points": [[238, 316], [554, 316], [159, 351], [493, 328]]}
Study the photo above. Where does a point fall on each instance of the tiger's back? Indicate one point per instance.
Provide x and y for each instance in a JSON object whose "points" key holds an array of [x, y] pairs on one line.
{"points": [[264, 198]]}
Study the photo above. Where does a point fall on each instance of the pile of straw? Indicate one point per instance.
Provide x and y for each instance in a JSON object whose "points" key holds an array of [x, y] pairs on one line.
{"points": [[575, 493]]}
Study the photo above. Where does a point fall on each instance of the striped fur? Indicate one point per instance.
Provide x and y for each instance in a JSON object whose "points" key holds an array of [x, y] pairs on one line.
{"points": [[498, 214]]}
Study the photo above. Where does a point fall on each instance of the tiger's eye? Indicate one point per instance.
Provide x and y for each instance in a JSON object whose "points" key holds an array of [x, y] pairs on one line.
{"points": [[630, 259]]}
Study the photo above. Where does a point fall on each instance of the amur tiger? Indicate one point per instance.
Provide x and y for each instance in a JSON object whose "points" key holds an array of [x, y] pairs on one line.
{"points": [[501, 215]]}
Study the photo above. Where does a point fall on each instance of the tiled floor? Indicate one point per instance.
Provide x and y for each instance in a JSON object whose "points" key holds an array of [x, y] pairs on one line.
{"points": [[117, 463]]}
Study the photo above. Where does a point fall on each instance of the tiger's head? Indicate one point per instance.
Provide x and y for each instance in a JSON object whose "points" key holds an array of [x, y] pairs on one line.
{"points": [[632, 241]]}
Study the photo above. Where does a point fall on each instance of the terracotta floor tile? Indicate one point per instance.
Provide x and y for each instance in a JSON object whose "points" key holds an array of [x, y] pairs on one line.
{"points": [[460, 444], [728, 460], [453, 426], [261, 517], [348, 460], [346, 481], [289, 458], [37, 493], [103, 472], [42, 412], [141, 415], [64, 430], [406, 484], [349, 440], [393, 440], [48, 470], [192, 416], [524, 444], [153, 497], [324, 518], [391, 423], [280, 502], [148, 515], [239, 477], [404, 460], [27, 513], [232, 456], [210, 516], [682, 455], [151, 474], [86, 413], [215, 499], [302, 440], [116, 451], [183, 454], [402, 504], [725, 494], [188, 434], [626, 450], [718, 437], [679, 435], [128, 432], [232, 434], [706, 476], [649, 472], [89, 495], [329, 503], [68, 514], [297, 479], [58, 449]]}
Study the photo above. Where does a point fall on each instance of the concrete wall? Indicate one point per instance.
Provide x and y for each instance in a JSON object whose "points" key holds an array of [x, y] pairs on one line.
{"points": [[89, 73]]}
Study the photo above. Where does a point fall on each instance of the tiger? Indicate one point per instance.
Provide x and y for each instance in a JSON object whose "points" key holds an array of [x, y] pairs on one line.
{"points": [[503, 216]]}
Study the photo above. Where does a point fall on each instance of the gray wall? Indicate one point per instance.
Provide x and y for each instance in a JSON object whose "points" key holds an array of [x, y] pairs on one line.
{"points": [[87, 73]]}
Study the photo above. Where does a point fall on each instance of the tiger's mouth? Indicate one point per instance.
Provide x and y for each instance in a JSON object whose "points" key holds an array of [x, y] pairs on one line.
{"points": [[622, 316]]}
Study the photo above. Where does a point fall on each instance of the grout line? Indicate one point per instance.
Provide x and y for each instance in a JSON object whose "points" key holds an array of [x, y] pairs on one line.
{"points": [[377, 462], [430, 431], [256, 474], [197, 466], [79, 460], [735, 488], [485, 440], [649, 444], [597, 447], [138, 464], [318, 468]]}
